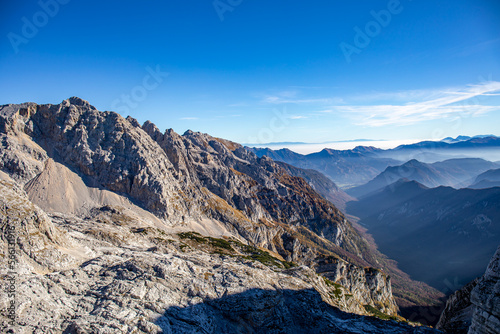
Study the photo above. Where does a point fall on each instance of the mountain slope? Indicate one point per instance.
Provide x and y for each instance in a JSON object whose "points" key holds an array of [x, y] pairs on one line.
{"points": [[453, 172], [320, 183], [488, 179], [475, 308], [412, 170], [438, 235], [117, 278], [486, 299], [180, 179]]}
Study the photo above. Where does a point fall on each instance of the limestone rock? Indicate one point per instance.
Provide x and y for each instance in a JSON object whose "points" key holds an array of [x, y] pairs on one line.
{"points": [[486, 300], [456, 317]]}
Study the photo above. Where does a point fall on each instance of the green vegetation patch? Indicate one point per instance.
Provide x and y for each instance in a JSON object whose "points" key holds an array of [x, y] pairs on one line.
{"points": [[221, 243], [263, 257], [195, 236], [337, 289], [376, 313], [232, 247]]}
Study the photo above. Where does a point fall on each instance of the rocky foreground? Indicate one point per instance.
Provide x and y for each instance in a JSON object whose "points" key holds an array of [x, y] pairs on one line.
{"points": [[113, 227], [475, 309], [110, 273]]}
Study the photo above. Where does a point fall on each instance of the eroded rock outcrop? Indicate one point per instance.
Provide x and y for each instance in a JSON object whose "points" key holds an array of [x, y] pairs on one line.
{"points": [[457, 315], [485, 298], [475, 309]]}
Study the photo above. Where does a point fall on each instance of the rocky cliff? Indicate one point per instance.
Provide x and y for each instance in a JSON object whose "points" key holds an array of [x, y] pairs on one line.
{"points": [[456, 317], [475, 308], [485, 299], [124, 227]]}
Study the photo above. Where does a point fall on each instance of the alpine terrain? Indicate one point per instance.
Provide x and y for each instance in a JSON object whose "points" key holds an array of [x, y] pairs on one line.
{"points": [[109, 226]]}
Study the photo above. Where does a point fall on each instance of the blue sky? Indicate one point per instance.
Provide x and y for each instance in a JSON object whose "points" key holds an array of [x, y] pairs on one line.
{"points": [[264, 71]]}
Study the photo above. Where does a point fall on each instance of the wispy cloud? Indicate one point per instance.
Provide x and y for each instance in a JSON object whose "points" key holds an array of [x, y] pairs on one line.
{"points": [[189, 118], [442, 104], [294, 97], [479, 47], [282, 100], [407, 107]]}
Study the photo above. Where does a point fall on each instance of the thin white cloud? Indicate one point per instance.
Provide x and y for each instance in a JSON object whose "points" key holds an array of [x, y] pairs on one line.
{"points": [[292, 97], [444, 104], [282, 100], [298, 117], [480, 47]]}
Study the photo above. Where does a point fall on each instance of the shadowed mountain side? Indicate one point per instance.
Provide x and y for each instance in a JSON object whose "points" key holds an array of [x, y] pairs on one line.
{"points": [[453, 172], [441, 236], [485, 184], [322, 184], [386, 198], [412, 170], [417, 301], [273, 311], [488, 179], [475, 309]]}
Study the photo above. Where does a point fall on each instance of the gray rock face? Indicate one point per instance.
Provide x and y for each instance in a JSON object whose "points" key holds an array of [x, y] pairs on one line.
{"points": [[38, 243], [456, 317], [486, 300], [475, 308], [354, 280], [98, 203]]}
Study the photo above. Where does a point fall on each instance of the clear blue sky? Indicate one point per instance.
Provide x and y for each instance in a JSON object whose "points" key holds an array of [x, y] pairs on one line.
{"points": [[264, 71]]}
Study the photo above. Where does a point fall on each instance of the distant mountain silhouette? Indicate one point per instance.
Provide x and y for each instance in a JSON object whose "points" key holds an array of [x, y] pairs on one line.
{"points": [[350, 168], [456, 140], [485, 147], [451, 172], [488, 179]]}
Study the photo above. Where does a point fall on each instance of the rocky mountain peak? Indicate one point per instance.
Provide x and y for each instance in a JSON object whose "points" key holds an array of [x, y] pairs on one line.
{"points": [[74, 100]]}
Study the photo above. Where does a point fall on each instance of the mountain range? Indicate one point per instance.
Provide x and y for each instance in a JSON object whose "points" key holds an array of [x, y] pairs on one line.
{"points": [[119, 227], [355, 167], [452, 172], [484, 147], [442, 236], [345, 168], [488, 179], [112, 226]]}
